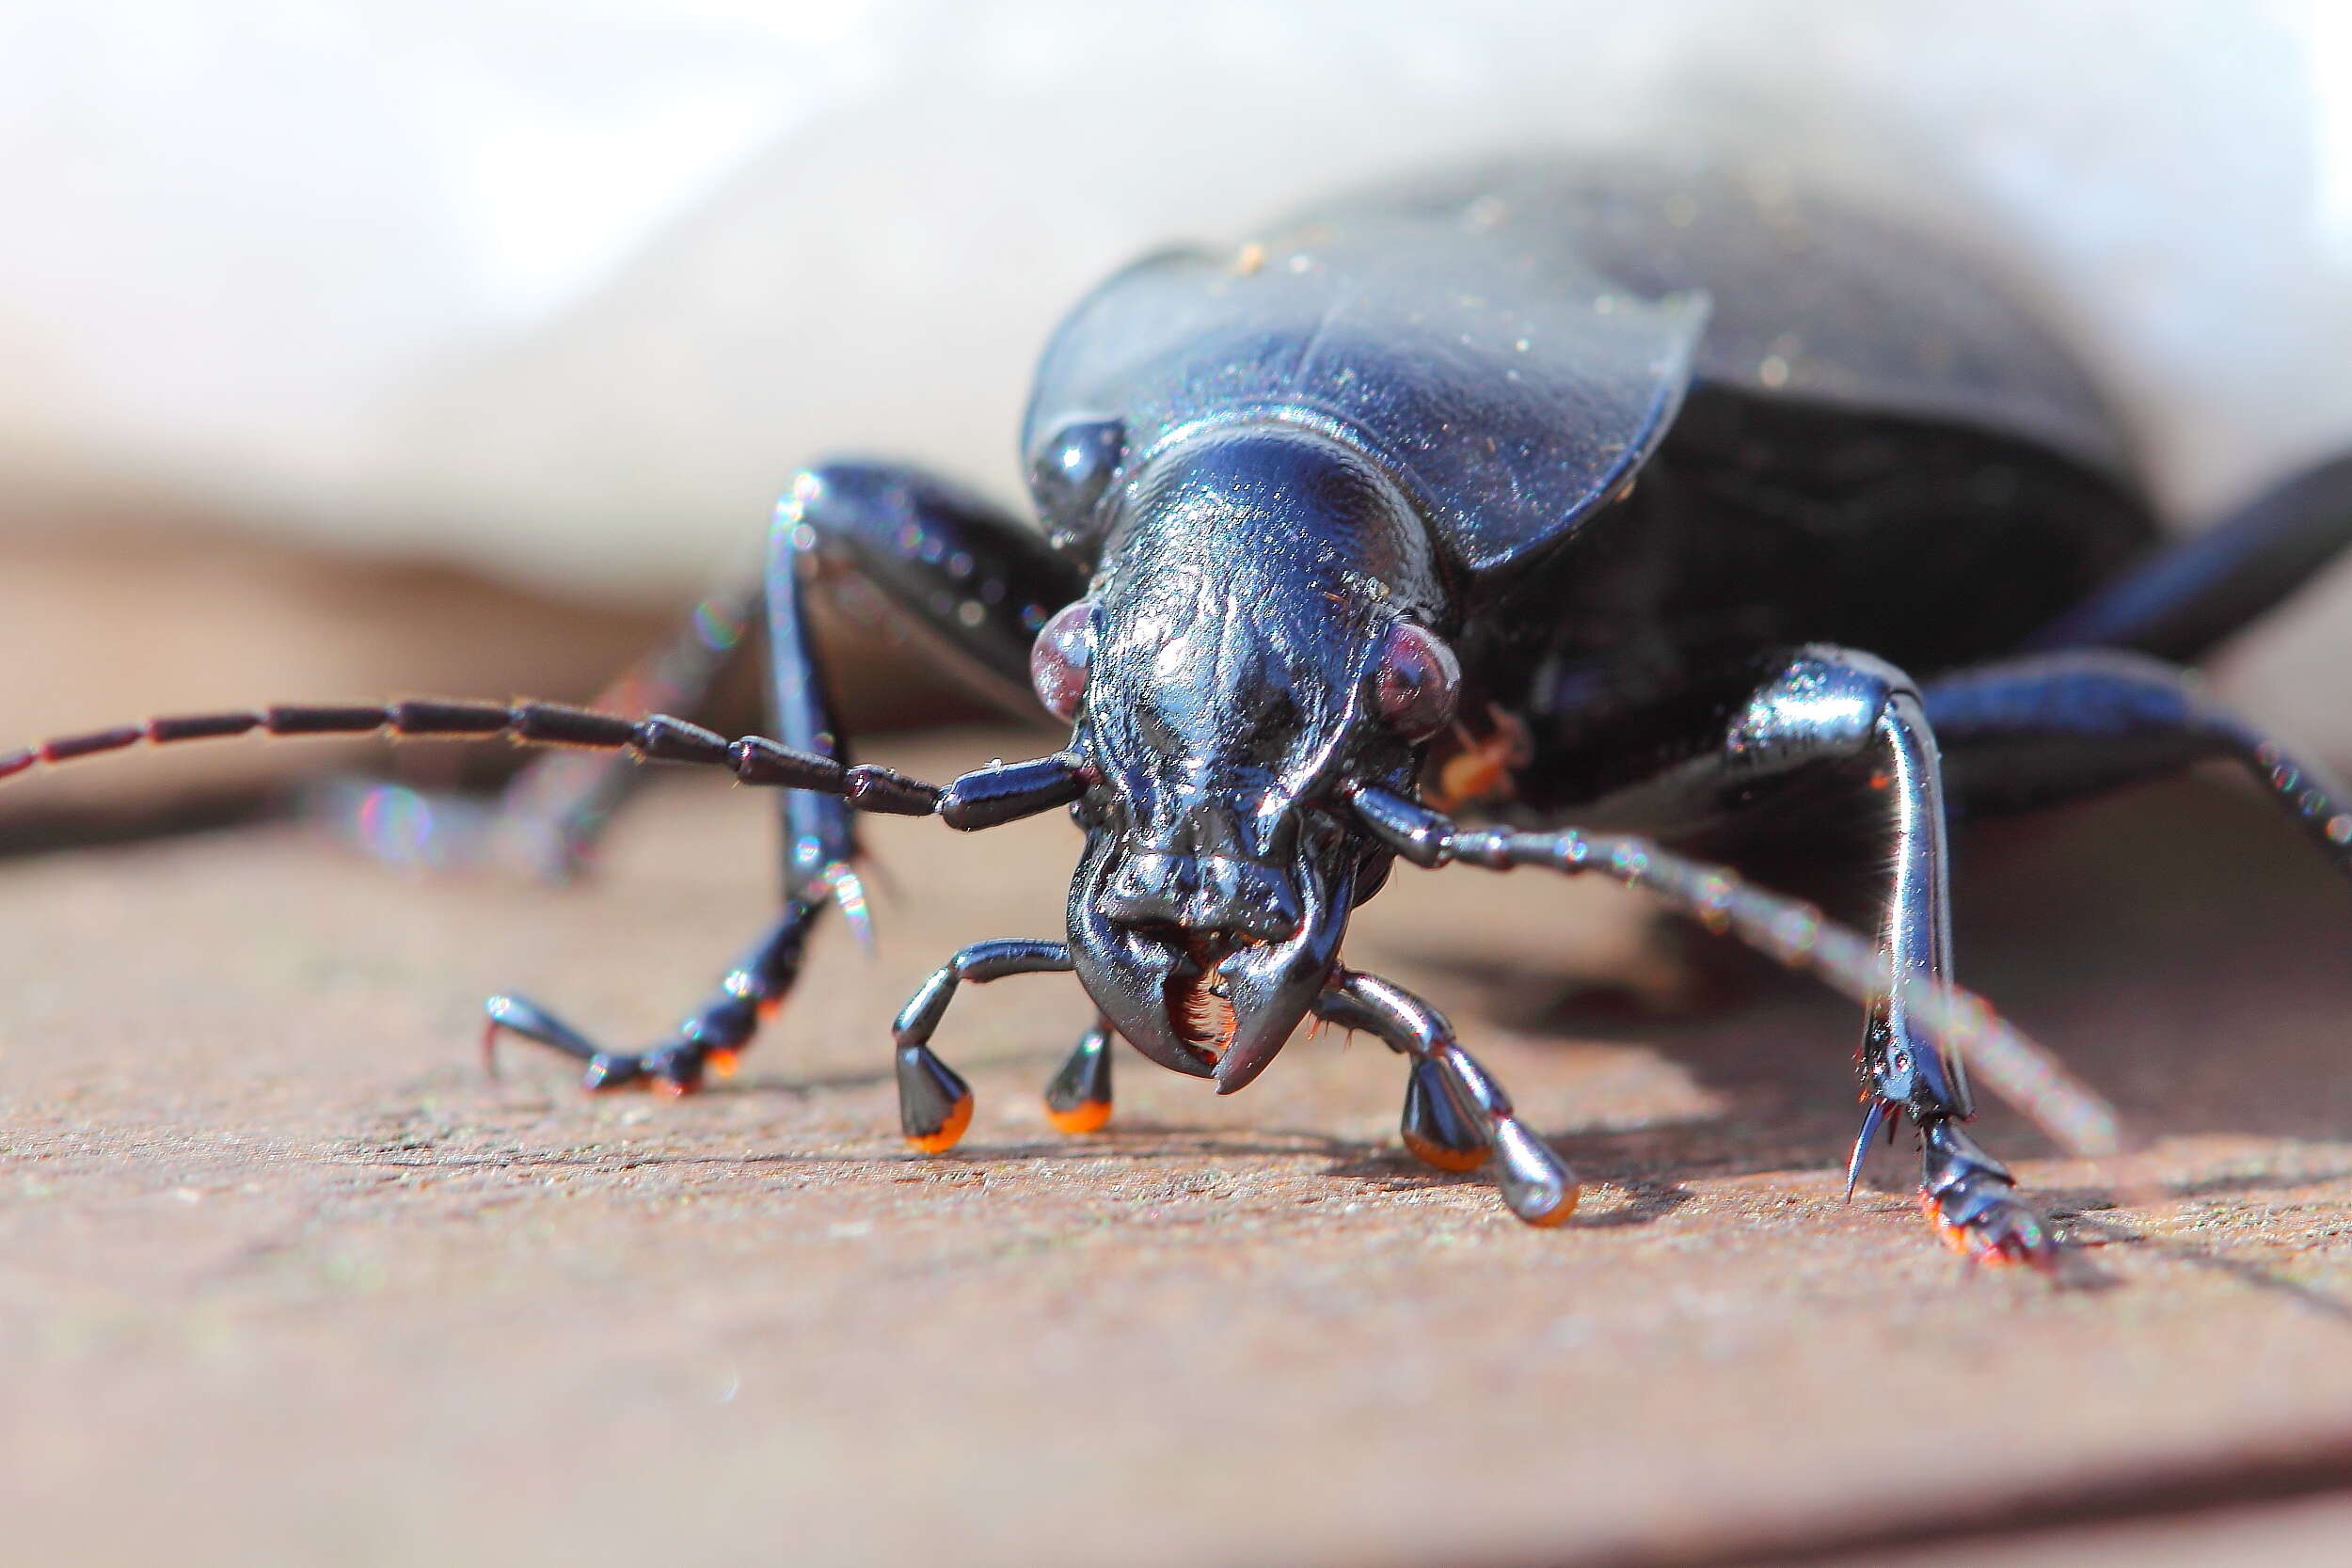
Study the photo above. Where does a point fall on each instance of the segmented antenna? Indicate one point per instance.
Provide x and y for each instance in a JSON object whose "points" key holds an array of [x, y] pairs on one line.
{"points": [[1793, 933], [658, 737], [1799, 936]]}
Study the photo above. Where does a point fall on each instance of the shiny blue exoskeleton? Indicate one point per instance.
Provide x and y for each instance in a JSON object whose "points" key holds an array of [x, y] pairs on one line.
{"points": [[1620, 507]]}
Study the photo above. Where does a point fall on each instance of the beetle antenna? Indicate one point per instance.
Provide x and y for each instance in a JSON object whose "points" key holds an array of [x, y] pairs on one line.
{"points": [[1794, 933], [657, 738], [1799, 936]]}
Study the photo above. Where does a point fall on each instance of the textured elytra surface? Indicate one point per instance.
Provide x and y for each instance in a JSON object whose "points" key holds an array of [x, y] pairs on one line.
{"points": [[281, 1278]]}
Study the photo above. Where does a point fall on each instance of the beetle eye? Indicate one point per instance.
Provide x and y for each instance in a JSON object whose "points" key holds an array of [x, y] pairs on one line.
{"points": [[1057, 660], [1416, 682], [1070, 476]]}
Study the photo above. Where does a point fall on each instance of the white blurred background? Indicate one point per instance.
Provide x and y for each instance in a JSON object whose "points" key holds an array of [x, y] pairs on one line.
{"points": [[568, 289], [564, 293]]}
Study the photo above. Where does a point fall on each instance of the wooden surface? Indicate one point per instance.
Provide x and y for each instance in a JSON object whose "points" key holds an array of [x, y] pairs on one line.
{"points": [[284, 1280]]}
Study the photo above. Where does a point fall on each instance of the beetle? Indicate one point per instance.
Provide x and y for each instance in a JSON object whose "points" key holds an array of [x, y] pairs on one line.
{"points": [[1615, 506]]}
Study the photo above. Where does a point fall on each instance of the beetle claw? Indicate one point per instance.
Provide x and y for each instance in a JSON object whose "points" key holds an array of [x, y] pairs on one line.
{"points": [[674, 1068], [1872, 1120], [1979, 1218]]}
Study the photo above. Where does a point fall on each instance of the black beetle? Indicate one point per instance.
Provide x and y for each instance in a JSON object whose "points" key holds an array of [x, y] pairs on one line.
{"points": [[1665, 502]]}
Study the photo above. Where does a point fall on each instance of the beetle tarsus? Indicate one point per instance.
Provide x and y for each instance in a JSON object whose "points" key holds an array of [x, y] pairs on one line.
{"points": [[1969, 1196], [707, 1041], [1433, 1129], [1078, 1099], [517, 1015], [1535, 1183]]}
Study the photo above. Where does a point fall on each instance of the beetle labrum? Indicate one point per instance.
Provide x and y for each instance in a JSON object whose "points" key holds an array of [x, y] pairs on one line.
{"points": [[1617, 506]]}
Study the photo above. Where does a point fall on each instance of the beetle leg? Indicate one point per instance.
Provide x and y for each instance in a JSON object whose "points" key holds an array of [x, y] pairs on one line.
{"points": [[1969, 1196], [1793, 934], [2028, 732], [2032, 731], [548, 819], [2194, 591], [934, 1103], [1079, 1098], [708, 1041], [971, 584], [971, 581], [1831, 701], [1476, 1124]]}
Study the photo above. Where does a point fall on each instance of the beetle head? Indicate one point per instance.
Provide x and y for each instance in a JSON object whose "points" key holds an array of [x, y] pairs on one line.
{"points": [[1255, 639]]}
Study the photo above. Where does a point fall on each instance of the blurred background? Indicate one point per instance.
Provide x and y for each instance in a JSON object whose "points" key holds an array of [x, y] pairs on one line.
{"points": [[353, 349]]}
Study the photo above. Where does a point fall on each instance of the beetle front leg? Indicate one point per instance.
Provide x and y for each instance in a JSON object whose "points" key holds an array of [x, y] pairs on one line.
{"points": [[1456, 1117], [1963, 1191], [935, 1103], [974, 585], [1078, 1099]]}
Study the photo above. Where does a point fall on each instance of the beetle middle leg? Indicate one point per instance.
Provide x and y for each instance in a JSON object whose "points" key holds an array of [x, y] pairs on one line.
{"points": [[552, 814], [973, 584], [1727, 743]]}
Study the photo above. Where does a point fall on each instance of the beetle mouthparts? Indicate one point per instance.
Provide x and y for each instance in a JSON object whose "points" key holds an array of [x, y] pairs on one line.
{"points": [[1198, 1001]]}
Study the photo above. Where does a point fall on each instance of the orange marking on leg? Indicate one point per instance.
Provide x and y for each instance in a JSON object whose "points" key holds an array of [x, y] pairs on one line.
{"points": [[723, 1063], [1444, 1158], [1086, 1116], [1954, 1236], [959, 1117], [1559, 1214]]}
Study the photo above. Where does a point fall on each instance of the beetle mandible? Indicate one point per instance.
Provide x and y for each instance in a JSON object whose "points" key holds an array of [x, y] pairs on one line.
{"points": [[1614, 504]]}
